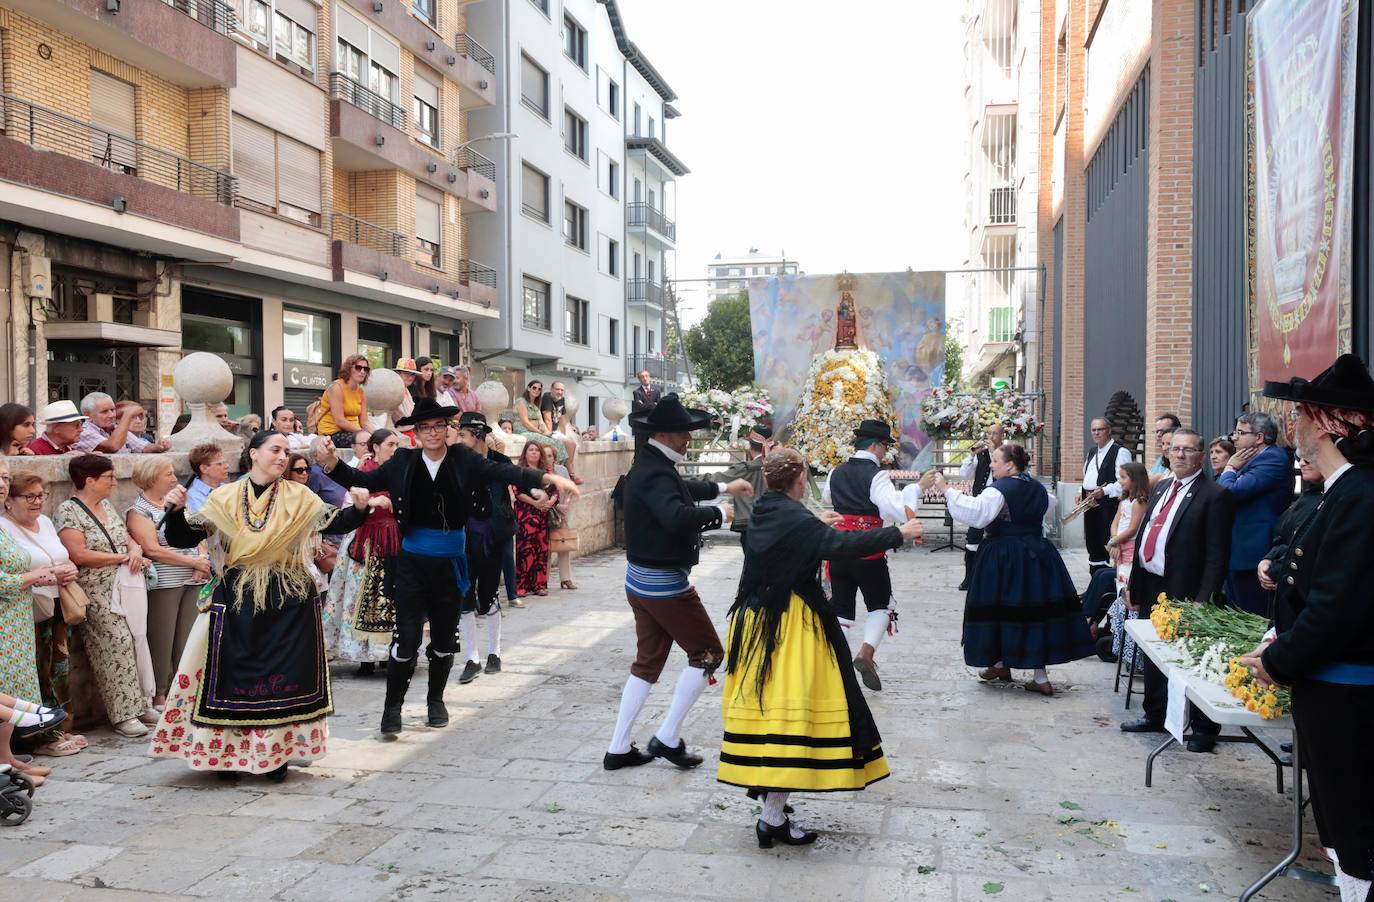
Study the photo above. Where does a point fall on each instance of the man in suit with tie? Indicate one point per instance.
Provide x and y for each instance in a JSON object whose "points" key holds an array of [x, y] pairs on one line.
{"points": [[645, 397], [1183, 551]]}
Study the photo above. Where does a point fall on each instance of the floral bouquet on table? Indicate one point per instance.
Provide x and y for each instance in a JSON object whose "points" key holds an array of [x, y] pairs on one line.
{"points": [[1213, 639], [842, 389], [948, 414], [733, 414]]}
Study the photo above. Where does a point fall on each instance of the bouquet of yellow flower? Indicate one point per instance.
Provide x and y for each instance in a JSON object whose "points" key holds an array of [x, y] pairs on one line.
{"points": [[1266, 701], [1165, 616]]}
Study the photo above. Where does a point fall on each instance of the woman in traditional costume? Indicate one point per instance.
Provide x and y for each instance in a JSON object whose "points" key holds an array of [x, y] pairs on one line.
{"points": [[1022, 610], [795, 717], [252, 690]]}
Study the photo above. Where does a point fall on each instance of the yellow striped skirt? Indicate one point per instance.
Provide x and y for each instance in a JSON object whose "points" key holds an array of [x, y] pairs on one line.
{"points": [[798, 739]]}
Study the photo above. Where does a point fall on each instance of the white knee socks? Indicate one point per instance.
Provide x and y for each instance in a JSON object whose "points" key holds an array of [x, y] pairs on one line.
{"points": [[631, 703], [875, 627], [467, 631], [690, 685], [494, 631]]}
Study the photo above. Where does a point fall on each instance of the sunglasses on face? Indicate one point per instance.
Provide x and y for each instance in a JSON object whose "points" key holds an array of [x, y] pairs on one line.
{"points": [[362, 368], [300, 469]]}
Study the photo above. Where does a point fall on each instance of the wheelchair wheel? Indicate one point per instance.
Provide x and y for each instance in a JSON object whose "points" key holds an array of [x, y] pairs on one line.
{"points": [[15, 808], [22, 783]]}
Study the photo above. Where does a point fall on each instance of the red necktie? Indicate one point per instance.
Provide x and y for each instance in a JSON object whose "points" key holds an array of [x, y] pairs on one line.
{"points": [[1152, 534]]}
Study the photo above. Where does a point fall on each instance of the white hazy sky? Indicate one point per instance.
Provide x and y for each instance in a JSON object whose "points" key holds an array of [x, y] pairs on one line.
{"points": [[834, 132]]}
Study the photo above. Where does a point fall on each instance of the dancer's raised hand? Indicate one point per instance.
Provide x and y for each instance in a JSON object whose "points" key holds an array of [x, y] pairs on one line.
{"points": [[913, 531], [325, 455]]}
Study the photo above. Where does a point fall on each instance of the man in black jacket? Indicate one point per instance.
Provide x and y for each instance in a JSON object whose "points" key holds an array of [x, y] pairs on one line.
{"points": [[490, 527], [1183, 550], [645, 396], [1323, 642], [430, 489], [663, 527]]}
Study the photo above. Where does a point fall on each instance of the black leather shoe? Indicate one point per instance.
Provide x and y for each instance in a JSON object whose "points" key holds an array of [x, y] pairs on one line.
{"points": [[758, 795], [1104, 649], [397, 683], [633, 758], [963, 586], [1202, 743], [679, 756], [278, 775], [868, 672], [1143, 725], [471, 671], [493, 664], [768, 834]]}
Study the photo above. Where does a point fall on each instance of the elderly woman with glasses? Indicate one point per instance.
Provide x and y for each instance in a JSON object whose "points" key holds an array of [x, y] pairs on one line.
{"points": [[25, 522], [99, 544], [343, 407]]}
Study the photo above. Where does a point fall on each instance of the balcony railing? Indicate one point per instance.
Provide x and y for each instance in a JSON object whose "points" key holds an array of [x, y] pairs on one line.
{"points": [[1002, 206], [345, 88], [45, 129], [467, 158], [213, 14], [472, 273], [642, 291], [1001, 325], [475, 52], [641, 214], [661, 369], [365, 234]]}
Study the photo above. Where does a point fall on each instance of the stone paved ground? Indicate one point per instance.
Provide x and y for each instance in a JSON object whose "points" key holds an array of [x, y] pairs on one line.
{"points": [[995, 793]]}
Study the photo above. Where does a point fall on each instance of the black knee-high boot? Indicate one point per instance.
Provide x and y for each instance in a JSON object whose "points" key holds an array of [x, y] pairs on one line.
{"points": [[398, 674], [439, 667], [968, 569]]}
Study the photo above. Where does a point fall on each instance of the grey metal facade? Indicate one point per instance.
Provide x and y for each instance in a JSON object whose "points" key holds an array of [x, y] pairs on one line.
{"points": [[1057, 374], [1114, 269], [1220, 288]]}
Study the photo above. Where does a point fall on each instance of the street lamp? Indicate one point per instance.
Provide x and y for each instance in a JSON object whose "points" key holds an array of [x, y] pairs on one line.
{"points": [[499, 136]]}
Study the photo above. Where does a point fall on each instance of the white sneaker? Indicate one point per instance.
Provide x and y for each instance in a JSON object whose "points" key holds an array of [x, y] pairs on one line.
{"points": [[150, 716], [132, 728]]}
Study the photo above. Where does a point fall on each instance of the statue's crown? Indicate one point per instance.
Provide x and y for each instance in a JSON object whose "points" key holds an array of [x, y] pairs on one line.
{"points": [[845, 281]]}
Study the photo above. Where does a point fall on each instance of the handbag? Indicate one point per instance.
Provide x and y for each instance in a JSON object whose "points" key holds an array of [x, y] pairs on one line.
{"points": [[73, 601], [563, 540]]}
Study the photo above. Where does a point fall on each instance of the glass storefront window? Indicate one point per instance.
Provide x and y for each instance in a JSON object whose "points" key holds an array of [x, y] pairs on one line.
{"points": [[307, 337], [216, 336], [380, 343]]}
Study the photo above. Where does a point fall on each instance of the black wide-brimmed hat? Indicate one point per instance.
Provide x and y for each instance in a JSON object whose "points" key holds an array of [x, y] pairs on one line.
{"points": [[874, 429], [669, 415], [474, 420], [1346, 383], [427, 409]]}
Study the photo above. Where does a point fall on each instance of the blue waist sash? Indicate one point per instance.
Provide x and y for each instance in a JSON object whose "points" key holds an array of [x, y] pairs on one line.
{"points": [[453, 545], [1345, 673]]}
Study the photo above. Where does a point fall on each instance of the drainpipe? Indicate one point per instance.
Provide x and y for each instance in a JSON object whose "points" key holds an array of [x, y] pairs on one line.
{"points": [[506, 212]]}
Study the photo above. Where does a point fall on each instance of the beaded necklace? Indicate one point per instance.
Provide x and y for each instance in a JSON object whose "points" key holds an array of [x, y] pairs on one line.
{"points": [[258, 524]]}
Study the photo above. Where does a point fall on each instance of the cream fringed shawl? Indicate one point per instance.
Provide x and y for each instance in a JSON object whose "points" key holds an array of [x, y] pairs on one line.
{"points": [[281, 550]]}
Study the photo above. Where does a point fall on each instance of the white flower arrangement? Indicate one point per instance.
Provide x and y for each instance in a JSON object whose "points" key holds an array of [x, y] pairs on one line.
{"points": [[842, 389], [948, 414], [734, 414]]}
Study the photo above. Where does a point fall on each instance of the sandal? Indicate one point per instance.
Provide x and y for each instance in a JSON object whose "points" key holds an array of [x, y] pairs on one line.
{"points": [[541, 592], [65, 744], [568, 584]]}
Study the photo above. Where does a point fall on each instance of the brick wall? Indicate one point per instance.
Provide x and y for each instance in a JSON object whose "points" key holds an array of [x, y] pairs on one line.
{"points": [[1074, 213], [1169, 283], [1045, 220]]}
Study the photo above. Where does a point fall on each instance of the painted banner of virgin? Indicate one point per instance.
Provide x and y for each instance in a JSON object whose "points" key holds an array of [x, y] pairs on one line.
{"points": [[1300, 131]]}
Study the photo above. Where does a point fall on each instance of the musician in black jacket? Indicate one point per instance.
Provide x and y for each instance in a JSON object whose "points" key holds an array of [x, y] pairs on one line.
{"points": [[663, 527], [1183, 550], [978, 467], [430, 495], [1323, 617]]}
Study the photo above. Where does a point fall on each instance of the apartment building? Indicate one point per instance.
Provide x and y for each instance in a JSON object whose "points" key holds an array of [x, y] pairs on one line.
{"points": [[280, 182], [729, 275], [1002, 88], [583, 233]]}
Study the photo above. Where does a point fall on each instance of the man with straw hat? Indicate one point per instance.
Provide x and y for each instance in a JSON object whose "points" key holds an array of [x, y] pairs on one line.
{"points": [[1322, 645]]}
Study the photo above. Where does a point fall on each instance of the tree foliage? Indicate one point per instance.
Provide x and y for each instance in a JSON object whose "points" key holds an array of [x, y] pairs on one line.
{"points": [[721, 346], [954, 355]]}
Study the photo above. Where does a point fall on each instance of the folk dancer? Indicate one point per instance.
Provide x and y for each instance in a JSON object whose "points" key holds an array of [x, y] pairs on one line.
{"points": [[1100, 482], [260, 616], [1323, 648], [663, 527], [750, 469], [863, 495], [490, 528], [795, 718], [977, 467], [430, 490]]}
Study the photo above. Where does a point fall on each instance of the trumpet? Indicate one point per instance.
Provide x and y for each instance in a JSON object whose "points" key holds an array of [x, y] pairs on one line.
{"points": [[1085, 504]]}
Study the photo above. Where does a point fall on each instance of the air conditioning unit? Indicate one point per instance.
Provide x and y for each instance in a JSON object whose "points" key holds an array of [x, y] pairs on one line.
{"points": [[38, 276]]}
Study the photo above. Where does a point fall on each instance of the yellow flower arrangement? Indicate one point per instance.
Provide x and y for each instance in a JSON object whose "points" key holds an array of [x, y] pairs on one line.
{"points": [[842, 388]]}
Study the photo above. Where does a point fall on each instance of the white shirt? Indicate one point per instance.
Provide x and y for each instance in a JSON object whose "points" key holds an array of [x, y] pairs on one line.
{"points": [[979, 511], [1331, 480], [44, 547], [679, 458], [1156, 564], [433, 465], [891, 503], [1093, 466]]}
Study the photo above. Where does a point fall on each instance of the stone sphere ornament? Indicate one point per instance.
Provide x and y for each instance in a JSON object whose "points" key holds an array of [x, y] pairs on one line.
{"points": [[203, 380], [570, 404], [494, 399], [615, 410], [385, 390]]}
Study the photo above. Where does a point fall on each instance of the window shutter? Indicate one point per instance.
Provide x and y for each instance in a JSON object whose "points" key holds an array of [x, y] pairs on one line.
{"points": [[302, 12], [112, 109], [535, 192], [386, 53], [534, 84], [255, 161], [300, 174], [427, 219], [426, 90], [350, 27]]}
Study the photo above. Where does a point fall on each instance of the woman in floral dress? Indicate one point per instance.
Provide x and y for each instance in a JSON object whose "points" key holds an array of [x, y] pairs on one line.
{"points": [[530, 421], [362, 614], [532, 531], [252, 691]]}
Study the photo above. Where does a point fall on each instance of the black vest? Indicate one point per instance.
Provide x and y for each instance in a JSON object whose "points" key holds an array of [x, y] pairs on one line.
{"points": [[982, 472], [850, 485], [1106, 474]]}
